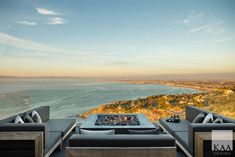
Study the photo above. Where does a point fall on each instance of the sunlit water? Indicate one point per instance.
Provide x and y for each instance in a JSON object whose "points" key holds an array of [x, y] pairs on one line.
{"points": [[70, 97]]}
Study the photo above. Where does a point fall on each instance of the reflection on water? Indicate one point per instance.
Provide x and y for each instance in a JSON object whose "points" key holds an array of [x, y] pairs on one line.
{"points": [[17, 101]]}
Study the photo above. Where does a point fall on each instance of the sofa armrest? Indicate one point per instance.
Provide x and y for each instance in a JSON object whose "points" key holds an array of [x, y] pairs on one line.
{"points": [[206, 127], [12, 127]]}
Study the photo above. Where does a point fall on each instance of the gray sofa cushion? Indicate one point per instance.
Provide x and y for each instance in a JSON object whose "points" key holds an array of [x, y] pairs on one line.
{"points": [[36, 117], [43, 111], [200, 118], [18, 119], [218, 120], [209, 118], [192, 112], [27, 119], [97, 132], [79, 140], [51, 140], [172, 127], [182, 138], [60, 125], [225, 119], [152, 131]]}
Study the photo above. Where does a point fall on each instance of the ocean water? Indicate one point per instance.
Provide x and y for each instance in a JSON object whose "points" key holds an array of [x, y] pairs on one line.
{"points": [[70, 97]]}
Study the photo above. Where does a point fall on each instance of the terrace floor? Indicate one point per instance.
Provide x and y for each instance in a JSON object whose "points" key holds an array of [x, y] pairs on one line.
{"points": [[61, 153]]}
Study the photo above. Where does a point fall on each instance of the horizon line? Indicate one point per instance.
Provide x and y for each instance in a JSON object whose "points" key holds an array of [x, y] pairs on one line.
{"points": [[190, 76]]}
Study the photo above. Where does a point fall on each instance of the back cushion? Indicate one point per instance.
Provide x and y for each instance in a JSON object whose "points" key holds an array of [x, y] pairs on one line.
{"points": [[192, 112], [43, 111], [8, 120], [199, 118], [227, 120]]}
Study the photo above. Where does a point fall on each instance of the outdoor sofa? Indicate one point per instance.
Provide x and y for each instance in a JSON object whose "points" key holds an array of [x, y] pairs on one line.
{"points": [[121, 145], [33, 139], [187, 133]]}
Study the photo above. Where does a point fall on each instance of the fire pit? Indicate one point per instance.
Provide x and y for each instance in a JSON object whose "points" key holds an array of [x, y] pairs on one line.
{"points": [[121, 123], [116, 120]]}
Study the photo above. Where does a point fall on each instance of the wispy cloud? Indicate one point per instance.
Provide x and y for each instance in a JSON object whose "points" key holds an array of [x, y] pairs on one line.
{"points": [[211, 29], [200, 28], [9, 40], [44, 11], [57, 21], [54, 19], [217, 41], [29, 23], [222, 40], [198, 22], [192, 18]]}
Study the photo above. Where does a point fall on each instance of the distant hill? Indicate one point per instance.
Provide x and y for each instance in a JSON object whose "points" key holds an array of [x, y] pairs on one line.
{"points": [[196, 77], [200, 76], [5, 76]]}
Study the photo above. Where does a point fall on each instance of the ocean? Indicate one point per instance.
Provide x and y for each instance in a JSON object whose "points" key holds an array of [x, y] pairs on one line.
{"points": [[68, 97]]}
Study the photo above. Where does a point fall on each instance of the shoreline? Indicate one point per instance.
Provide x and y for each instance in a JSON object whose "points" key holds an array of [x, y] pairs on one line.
{"points": [[164, 105], [168, 83]]}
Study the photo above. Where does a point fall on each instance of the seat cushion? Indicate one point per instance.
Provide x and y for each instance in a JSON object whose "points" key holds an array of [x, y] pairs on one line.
{"points": [[182, 138], [172, 127], [118, 140], [153, 131], [60, 125], [51, 140]]}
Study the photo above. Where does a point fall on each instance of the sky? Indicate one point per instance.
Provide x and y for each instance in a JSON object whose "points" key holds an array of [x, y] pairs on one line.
{"points": [[116, 37]]}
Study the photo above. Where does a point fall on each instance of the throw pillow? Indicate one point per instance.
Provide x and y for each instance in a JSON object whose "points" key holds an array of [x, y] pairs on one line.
{"points": [[27, 118], [152, 131], [199, 118], [208, 118], [97, 132], [18, 119], [218, 120], [36, 117]]}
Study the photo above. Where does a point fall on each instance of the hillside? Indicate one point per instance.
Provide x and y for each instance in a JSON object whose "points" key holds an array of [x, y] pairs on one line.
{"points": [[218, 97]]}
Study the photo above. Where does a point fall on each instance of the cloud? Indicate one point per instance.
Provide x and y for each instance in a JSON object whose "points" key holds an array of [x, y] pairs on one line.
{"points": [[53, 19], [218, 41], [192, 18], [29, 23], [211, 29], [57, 21], [223, 40], [198, 22], [200, 28], [46, 12], [9, 40]]}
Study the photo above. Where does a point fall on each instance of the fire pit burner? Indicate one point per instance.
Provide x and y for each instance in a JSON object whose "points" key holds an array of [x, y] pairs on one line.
{"points": [[117, 120], [121, 123]]}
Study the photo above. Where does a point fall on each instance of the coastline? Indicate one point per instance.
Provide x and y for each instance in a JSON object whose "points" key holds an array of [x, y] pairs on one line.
{"points": [[183, 84], [157, 106]]}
